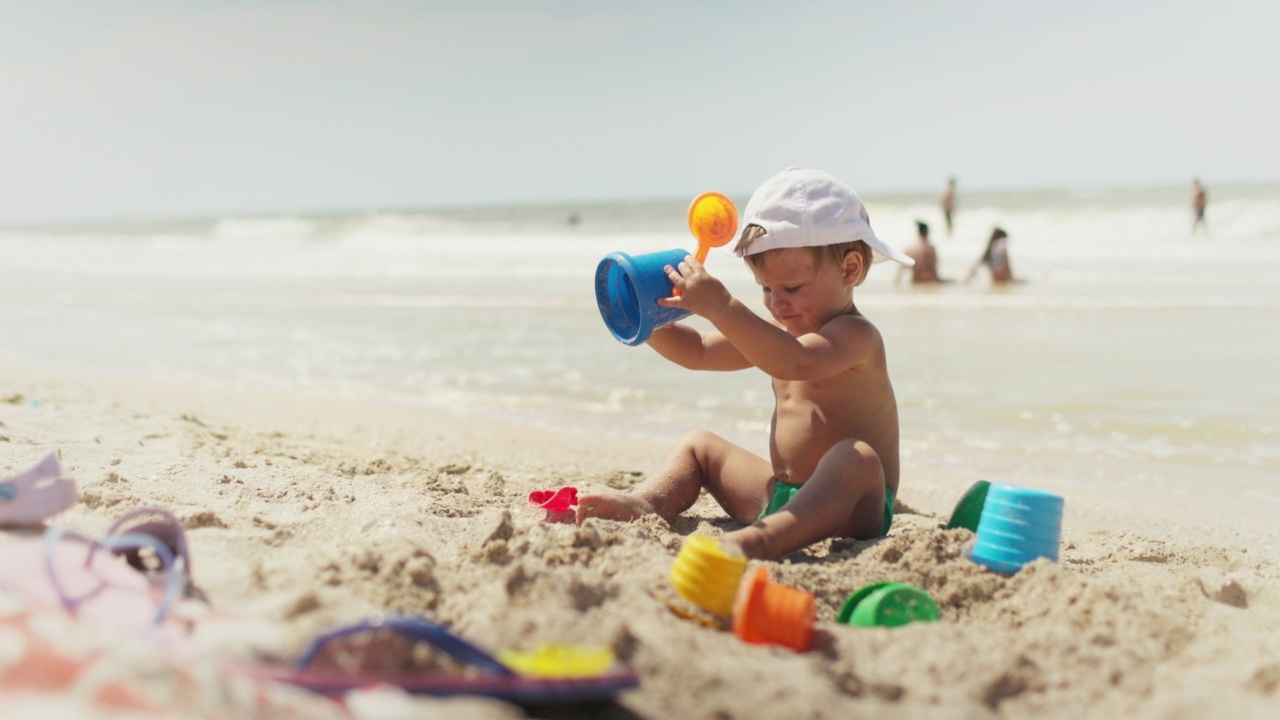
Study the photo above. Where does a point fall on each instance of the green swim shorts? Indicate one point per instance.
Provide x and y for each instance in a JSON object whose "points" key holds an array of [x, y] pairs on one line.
{"points": [[784, 491]]}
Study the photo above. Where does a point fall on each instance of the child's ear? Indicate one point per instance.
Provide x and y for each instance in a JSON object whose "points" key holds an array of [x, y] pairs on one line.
{"points": [[854, 267]]}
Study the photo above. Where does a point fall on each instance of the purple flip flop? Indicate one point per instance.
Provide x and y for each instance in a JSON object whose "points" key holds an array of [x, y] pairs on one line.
{"points": [[488, 677]]}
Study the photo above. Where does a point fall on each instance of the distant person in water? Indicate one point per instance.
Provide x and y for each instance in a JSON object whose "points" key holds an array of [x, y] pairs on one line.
{"points": [[926, 256], [1199, 201], [948, 201], [995, 257]]}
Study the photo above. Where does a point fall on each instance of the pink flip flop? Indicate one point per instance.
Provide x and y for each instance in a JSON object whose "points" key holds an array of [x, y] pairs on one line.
{"points": [[77, 576], [92, 579], [36, 494]]}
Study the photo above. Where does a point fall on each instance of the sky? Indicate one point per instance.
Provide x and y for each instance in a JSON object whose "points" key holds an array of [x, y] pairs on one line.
{"points": [[150, 109]]}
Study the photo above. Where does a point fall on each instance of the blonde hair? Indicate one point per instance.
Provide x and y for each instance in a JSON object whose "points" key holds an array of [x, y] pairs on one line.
{"points": [[821, 253]]}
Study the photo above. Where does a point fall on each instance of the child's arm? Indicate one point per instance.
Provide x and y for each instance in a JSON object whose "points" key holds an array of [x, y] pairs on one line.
{"points": [[837, 346], [974, 270], [689, 348]]}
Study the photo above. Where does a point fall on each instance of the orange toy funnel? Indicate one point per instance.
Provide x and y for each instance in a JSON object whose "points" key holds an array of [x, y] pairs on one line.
{"points": [[768, 612]]}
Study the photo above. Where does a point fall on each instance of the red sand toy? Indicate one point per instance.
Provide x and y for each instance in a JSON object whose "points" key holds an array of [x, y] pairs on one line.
{"points": [[559, 504]]}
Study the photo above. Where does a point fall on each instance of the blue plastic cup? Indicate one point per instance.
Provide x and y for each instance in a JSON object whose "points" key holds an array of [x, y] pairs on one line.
{"points": [[627, 292], [1018, 525], [999, 526]]}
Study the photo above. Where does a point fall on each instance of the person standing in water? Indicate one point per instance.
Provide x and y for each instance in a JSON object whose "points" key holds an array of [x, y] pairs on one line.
{"points": [[948, 202], [1199, 201]]}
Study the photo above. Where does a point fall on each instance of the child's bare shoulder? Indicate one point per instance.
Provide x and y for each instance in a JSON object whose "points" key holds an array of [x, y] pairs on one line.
{"points": [[853, 327], [858, 342]]}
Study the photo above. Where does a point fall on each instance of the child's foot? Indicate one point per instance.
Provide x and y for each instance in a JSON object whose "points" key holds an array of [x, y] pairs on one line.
{"points": [[613, 506], [752, 541]]}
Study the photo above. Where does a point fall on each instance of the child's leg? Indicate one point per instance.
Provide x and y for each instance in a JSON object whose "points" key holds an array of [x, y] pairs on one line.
{"points": [[843, 498], [736, 478]]}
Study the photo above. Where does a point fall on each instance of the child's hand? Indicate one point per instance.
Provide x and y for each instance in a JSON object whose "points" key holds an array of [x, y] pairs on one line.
{"points": [[700, 293]]}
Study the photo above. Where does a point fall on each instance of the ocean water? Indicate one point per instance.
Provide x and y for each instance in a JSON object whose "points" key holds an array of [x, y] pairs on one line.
{"points": [[1135, 353]]}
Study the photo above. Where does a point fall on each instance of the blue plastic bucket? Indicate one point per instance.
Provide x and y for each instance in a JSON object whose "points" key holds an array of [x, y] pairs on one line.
{"points": [[1018, 525], [627, 292]]}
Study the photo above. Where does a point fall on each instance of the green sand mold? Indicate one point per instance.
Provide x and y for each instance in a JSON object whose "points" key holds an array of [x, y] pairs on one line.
{"points": [[888, 604], [969, 510]]}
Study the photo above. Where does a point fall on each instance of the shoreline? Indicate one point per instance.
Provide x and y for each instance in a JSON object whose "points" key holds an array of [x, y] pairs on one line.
{"points": [[303, 513], [461, 437]]}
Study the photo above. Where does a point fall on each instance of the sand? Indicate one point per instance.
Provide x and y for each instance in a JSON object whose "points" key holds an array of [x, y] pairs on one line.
{"points": [[306, 513]]}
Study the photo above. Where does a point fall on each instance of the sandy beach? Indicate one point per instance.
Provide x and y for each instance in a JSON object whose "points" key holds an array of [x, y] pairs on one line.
{"points": [[307, 513], [300, 302]]}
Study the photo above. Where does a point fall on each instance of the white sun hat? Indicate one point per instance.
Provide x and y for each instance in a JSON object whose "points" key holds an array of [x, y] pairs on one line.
{"points": [[809, 208]]}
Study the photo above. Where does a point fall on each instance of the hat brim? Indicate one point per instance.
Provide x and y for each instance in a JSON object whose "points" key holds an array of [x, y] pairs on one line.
{"points": [[880, 251]]}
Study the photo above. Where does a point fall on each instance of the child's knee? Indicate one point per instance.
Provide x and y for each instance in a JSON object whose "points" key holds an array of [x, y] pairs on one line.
{"points": [[859, 462], [698, 442], [856, 465]]}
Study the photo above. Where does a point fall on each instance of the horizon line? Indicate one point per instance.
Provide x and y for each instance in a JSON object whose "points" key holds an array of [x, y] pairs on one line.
{"points": [[565, 203]]}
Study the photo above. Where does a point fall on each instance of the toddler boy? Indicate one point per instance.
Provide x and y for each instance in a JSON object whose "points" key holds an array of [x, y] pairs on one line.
{"points": [[833, 445]]}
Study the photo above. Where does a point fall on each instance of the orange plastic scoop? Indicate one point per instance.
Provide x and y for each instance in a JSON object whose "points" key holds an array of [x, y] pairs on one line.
{"points": [[713, 220]]}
